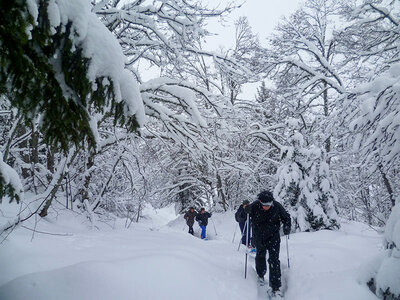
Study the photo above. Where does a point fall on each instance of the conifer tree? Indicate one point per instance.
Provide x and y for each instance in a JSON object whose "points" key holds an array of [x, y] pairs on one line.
{"points": [[60, 75], [304, 185]]}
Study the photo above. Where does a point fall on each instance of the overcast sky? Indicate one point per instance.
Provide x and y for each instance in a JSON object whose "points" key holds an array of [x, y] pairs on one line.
{"points": [[263, 16]]}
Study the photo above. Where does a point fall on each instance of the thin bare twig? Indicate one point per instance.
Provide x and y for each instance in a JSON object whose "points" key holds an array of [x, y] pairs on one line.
{"points": [[49, 233]]}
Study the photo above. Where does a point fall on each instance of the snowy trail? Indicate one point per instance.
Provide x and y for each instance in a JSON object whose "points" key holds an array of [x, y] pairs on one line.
{"points": [[154, 261]]}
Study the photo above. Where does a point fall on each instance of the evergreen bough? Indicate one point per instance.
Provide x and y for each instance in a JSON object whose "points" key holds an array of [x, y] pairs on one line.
{"points": [[43, 74]]}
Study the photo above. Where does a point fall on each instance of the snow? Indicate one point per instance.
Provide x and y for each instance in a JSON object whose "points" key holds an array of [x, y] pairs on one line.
{"points": [[158, 259], [388, 275], [10, 177], [384, 268], [392, 230], [33, 11], [98, 44], [54, 16]]}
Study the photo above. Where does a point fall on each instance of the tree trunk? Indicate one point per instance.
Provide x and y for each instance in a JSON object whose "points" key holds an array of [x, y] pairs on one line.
{"points": [[326, 114], [56, 181], [34, 143], [220, 191], [88, 178], [51, 196], [50, 162], [365, 199], [14, 129], [387, 185]]}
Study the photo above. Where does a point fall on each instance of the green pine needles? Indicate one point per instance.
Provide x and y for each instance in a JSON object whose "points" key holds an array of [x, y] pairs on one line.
{"points": [[44, 76]]}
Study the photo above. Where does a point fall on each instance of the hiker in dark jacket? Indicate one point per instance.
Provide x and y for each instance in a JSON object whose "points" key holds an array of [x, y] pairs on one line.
{"points": [[202, 219], [266, 217], [189, 217], [241, 218]]}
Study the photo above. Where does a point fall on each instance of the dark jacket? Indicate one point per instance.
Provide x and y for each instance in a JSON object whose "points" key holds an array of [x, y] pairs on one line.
{"points": [[203, 218], [189, 217], [267, 223], [240, 215]]}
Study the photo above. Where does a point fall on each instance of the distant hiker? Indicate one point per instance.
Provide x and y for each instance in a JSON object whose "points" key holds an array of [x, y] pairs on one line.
{"points": [[189, 217], [241, 218], [202, 219], [266, 216]]}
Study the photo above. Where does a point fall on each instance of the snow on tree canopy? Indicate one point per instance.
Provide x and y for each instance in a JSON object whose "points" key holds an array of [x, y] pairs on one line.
{"points": [[99, 45], [107, 58], [378, 123], [9, 177]]}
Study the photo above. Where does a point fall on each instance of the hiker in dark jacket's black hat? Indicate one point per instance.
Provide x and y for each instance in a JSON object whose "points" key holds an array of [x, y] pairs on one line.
{"points": [[266, 217], [189, 217]]}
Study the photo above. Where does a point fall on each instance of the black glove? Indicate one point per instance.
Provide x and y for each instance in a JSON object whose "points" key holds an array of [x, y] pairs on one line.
{"points": [[286, 230], [199, 221]]}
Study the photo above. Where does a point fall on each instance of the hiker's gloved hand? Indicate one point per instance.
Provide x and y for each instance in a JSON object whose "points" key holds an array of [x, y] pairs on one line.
{"points": [[286, 230], [199, 221]]}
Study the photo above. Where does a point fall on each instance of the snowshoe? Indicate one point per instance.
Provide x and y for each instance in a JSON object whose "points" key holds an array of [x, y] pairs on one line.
{"points": [[275, 294], [262, 289], [261, 281]]}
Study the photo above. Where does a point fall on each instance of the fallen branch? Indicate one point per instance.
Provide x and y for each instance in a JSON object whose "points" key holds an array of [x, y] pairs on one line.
{"points": [[49, 233]]}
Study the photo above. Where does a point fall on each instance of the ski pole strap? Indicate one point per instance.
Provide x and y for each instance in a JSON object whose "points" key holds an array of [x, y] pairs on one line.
{"points": [[247, 246]]}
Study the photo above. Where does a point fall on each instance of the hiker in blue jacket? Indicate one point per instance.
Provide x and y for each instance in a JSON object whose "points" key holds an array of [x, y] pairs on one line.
{"points": [[202, 219]]}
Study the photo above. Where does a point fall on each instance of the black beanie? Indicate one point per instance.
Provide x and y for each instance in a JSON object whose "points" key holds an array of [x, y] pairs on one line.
{"points": [[246, 202], [265, 197]]}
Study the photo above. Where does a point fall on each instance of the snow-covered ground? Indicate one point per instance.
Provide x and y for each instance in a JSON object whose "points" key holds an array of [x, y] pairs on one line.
{"points": [[157, 259]]}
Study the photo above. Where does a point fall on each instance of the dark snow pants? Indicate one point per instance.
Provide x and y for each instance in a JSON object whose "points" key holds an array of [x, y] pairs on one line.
{"points": [[191, 229], [271, 244]]}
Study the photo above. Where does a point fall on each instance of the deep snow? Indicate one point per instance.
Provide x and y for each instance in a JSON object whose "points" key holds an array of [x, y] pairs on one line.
{"points": [[158, 259]]}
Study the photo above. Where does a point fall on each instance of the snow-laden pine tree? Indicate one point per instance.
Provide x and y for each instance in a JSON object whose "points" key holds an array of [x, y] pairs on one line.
{"points": [[302, 63], [60, 66], [304, 184], [63, 71]]}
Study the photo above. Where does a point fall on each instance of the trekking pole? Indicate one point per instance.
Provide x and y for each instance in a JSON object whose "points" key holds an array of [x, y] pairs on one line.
{"points": [[247, 246], [214, 227], [234, 234], [287, 251], [244, 230]]}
